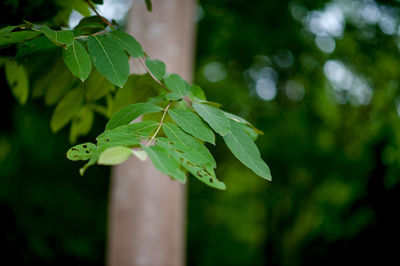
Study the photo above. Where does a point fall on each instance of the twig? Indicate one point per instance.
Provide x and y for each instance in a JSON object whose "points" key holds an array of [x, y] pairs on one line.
{"points": [[98, 14], [159, 126]]}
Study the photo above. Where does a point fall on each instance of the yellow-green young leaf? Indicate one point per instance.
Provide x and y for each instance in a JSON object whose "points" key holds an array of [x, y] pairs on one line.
{"points": [[77, 60], [191, 148], [127, 135], [97, 86], [192, 124], [66, 109], [115, 155], [64, 37], [130, 113], [156, 67], [179, 88], [17, 79], [17, 36], [214, 117], [59, 84], [81, 152], [140, 154], [127, 43], [244, 148], [164, 162], [109, 59], [81, 123], [191, 162]]}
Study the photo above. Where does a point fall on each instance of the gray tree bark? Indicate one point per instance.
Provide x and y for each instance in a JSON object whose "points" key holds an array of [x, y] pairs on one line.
{"points": [[147, 209]]}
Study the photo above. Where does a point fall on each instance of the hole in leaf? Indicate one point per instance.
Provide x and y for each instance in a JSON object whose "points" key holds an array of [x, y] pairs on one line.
{"points": [[74, 149], [87, 151], [85, 146], [211, 180]]}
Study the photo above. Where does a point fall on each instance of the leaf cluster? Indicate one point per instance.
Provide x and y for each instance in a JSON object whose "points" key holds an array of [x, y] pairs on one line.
{"points": [[93, 76]]}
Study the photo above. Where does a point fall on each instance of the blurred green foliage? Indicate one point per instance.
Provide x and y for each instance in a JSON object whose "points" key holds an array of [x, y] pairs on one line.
{"points": [[319, 78]]}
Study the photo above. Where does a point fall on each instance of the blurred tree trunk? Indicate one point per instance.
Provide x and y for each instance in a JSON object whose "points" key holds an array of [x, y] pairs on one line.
{"points": [[147, 209]]}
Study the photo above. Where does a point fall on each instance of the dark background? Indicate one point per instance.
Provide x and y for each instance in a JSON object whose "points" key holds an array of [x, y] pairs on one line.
{"points": [[319, 78]]}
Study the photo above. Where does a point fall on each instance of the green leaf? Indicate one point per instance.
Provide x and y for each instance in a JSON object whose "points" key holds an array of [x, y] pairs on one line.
{"points": [[178, 87], [114, 155], [149, 6], [6, 30], [191, 149], [66, 109], [127, 135], [128, 43], [97, 86], [214, 117], [35, 46], [17, 79], [156, 67], [64, 37], [192, 124], [109, 59], [165, 162], [58, 85], [81, 152], [130, 113], [81, 123], [17, 36], [242, 121], [89, 25], [244, 148], [77, 60], [195, 92], [80, 6]]}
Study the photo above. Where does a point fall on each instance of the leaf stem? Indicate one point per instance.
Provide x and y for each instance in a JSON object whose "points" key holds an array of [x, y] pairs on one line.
{"points": [[94, 34], [98, 14], [141, 60], [160, 125]]}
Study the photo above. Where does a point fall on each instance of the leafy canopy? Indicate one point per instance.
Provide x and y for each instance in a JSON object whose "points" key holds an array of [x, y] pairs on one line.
{"points": [[90, 74]]}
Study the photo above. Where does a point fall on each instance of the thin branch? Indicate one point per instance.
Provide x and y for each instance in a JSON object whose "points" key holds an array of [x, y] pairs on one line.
{"points": [[98, 14], [160, 125]]}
